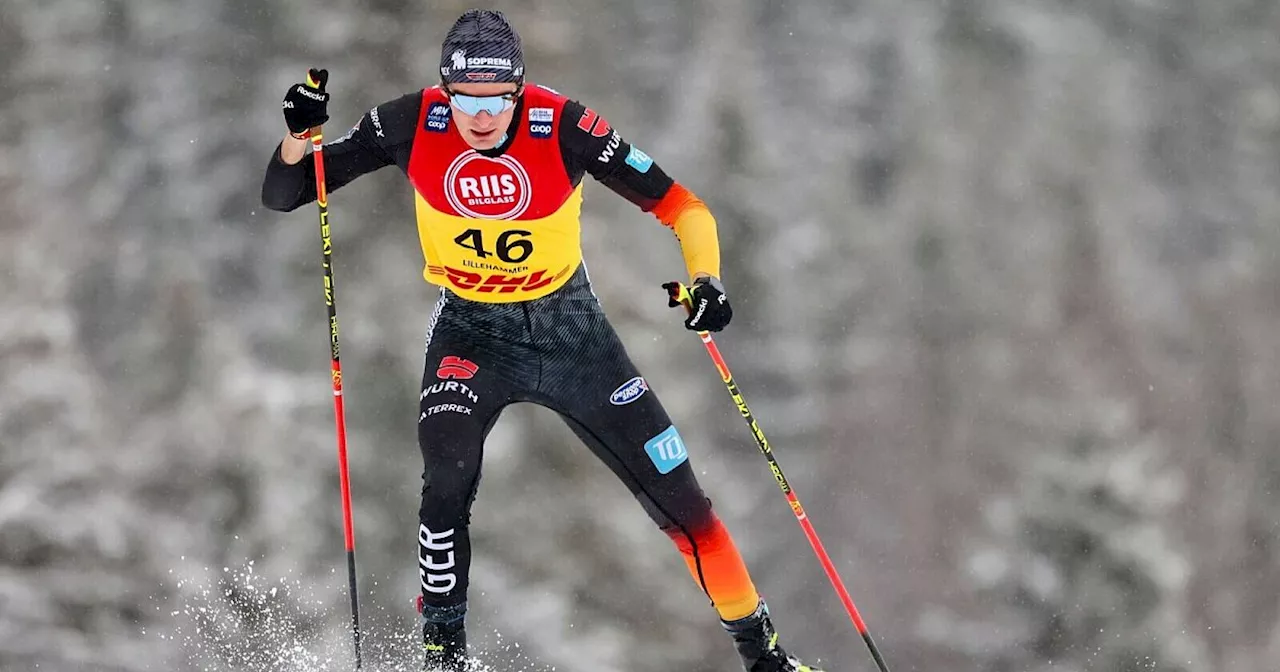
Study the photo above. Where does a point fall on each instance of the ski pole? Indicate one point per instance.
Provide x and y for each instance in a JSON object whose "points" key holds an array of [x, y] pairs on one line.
{"points": [[680, 293], [335, 372]]}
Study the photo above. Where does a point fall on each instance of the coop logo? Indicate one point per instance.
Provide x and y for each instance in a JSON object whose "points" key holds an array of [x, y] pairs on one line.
{"points": [[666, 450], [540, 121], [435, 559], [453, 367], [438, 116], [484, 188], [629, 391]]}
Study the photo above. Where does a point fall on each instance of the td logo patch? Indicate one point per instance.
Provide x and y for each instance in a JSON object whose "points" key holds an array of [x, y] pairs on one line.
{"points": [[666, 450], [639, 160]]}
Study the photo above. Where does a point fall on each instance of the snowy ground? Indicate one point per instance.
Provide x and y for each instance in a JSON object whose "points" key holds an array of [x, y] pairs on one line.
{"points": [[254, 623]]}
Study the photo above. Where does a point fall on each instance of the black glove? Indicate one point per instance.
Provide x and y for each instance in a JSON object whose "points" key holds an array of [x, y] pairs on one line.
{"points": [[709, 309], [306, 106]]}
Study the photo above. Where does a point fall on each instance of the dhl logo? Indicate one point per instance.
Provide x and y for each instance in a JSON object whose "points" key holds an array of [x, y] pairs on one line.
{"points": [[500, 283]]}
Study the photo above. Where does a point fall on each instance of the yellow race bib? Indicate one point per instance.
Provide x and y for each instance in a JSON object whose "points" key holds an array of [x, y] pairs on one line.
{"points": [[500, 260]]}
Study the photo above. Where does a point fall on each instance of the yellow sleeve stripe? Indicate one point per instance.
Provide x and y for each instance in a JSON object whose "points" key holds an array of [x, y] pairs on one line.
{"points": [[686, 215]]}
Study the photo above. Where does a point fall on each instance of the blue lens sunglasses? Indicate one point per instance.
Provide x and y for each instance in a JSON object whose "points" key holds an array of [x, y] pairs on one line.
{"points": [[494, 105]]}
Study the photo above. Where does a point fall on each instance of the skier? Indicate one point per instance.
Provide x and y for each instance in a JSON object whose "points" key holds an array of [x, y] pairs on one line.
{"points": [[497, 165]]}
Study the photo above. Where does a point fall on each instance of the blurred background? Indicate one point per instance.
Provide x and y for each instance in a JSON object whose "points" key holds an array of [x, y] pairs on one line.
{"points": [[1006, 291]]}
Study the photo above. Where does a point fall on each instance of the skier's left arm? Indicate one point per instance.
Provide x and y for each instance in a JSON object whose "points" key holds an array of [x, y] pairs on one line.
{"points": [[602, 152]]}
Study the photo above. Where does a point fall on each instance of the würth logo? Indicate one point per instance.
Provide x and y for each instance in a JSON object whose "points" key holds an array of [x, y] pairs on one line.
{"points": [[453, 367]]}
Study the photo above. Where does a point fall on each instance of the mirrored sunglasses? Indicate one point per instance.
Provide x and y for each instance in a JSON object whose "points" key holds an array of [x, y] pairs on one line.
{"points": [[473, 105]]}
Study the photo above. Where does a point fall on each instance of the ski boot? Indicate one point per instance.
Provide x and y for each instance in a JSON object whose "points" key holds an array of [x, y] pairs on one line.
{"points": [[757, 643], [444, 637]]}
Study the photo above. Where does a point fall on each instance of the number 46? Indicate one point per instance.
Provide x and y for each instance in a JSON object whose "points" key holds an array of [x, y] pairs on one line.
{"points": [[512, 245]]}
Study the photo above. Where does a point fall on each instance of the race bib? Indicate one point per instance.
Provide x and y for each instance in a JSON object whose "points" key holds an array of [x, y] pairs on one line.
{"points": [[485, 256]]}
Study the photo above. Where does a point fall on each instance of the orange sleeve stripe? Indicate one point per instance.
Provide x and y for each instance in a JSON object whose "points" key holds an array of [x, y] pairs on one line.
{"points": [[686, 215], [677, 199]]}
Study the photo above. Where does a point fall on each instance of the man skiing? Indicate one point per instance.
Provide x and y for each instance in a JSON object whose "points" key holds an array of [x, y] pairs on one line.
{"points": [[497, 165]]}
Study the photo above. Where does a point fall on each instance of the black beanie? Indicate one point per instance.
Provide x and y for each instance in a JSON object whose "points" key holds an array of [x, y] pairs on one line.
{"points": [[481, 47]]}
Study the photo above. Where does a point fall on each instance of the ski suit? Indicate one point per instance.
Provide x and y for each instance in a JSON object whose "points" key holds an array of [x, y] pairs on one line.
{"points": [[517, 319]]}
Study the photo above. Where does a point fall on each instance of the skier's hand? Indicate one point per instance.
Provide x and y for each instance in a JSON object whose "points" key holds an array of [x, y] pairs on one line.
{"points": [[709, 308], [306, 105]]}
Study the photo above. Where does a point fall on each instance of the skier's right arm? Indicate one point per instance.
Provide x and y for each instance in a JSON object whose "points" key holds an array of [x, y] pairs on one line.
{"points": [[382, 137], [288, 186]]}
